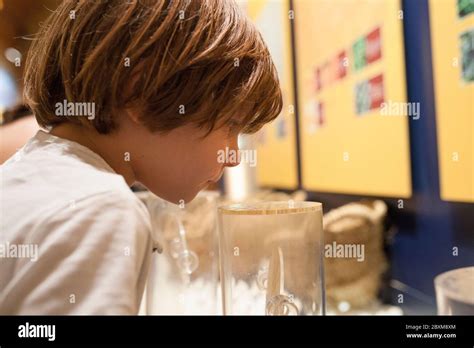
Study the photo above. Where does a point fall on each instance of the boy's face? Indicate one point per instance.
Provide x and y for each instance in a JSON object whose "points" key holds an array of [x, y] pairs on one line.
{"points": [[177, 165]]}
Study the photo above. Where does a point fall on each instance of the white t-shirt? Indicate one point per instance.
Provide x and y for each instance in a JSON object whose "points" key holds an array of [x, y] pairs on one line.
{"points": [[74, 239]]}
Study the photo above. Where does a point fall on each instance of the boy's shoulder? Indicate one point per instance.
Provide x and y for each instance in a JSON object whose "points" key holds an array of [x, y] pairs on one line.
{"points": [[49, 177]]}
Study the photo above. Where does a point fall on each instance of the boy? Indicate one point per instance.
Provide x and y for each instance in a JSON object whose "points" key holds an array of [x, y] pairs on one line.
{"points": [[130, 91]]}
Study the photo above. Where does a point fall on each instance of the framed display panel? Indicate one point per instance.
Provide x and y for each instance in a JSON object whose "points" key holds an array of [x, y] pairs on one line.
{"points": [[452, 42], [354, 136]]}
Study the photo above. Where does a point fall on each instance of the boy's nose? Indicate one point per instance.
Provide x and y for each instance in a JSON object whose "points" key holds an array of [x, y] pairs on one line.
{"points": [[233, 158], [233, 161]]}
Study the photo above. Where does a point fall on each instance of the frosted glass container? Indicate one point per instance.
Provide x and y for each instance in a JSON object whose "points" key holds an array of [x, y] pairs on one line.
{"points": [[183, 279], [455, 292], [271, 258]]}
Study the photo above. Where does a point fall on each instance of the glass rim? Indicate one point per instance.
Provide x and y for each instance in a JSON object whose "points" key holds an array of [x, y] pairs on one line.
{"points": [[453, 294], [270, 208]]}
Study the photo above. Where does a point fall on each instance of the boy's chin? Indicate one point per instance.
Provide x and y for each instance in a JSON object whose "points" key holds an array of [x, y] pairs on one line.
{"points": [[178, 199]]}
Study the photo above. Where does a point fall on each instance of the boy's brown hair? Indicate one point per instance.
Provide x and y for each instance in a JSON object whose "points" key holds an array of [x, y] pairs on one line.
{"points": [[200, 57]]}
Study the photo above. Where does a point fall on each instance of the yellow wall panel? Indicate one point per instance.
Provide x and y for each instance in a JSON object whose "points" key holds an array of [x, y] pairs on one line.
{"points": [[454, 94], [343, 151], [276, 142]]}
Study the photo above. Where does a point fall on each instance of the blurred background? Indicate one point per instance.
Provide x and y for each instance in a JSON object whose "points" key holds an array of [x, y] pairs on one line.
{"points": [[377, 124]]}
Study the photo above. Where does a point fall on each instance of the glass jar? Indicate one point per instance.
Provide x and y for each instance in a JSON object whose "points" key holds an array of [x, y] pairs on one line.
{"points": [[271, 258]]}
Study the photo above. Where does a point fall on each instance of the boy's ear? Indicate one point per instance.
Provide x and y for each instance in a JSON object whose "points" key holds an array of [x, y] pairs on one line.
{"points": [[133, 115], [131, 109]]}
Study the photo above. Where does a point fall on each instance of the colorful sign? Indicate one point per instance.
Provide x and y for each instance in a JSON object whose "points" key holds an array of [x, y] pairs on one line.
{"points": [[467, 55], [373, 50], [465, 7]]}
